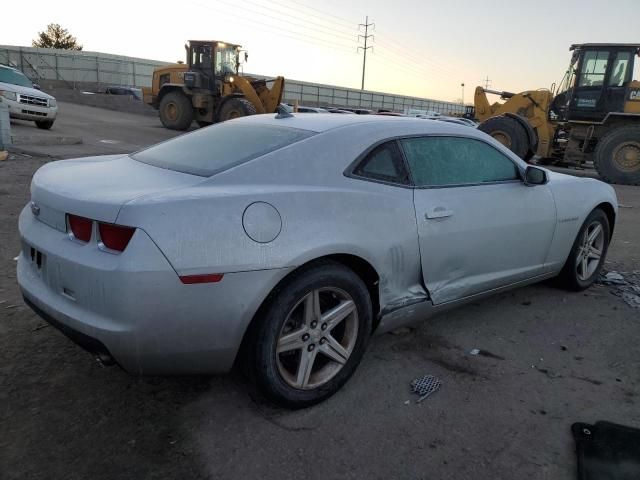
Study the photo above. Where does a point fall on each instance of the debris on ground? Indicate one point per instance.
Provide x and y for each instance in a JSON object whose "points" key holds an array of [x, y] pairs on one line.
{"points": [[425, 386], [485, 353], [626, 287], [620, 205]]}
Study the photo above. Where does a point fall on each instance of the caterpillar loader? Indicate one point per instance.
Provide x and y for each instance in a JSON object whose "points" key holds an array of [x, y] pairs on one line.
{"points": [[208, 88], [593, 118]]}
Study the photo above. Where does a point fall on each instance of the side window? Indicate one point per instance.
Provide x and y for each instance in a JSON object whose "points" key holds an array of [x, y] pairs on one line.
{"points": [[439, 161], [619, 71], [594, 67], [384, 163]]}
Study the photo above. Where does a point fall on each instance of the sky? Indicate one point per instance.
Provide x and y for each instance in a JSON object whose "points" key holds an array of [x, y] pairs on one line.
{"points": [[424, 48]]}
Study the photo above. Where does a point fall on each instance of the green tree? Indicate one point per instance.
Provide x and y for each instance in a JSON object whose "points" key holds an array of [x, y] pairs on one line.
{"points": [[56, 37]]}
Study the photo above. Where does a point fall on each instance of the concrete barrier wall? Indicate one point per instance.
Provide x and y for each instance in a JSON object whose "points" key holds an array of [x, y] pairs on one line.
{"points": [[94, 71]]}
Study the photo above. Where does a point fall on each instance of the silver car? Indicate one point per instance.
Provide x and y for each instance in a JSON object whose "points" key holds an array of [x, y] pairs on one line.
{"points": [[285, 241]]}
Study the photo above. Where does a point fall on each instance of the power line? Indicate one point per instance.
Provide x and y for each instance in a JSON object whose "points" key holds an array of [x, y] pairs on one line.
{"points": [[366, 37], [445, 68], [427, 71], [280, 31], [287, 18], [348, 23]]}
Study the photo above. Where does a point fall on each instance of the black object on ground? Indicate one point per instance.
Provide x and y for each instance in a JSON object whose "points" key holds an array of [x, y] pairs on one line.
{"points": [[607, 451]]}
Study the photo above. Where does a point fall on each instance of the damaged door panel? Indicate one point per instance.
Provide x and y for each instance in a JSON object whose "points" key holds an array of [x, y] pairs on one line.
{"points": [[479, 225]]}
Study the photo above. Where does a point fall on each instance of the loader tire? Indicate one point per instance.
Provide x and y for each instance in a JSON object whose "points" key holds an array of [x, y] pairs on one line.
{"points": [[617, 156], [508, 132], [234, 108], [176, 111]]}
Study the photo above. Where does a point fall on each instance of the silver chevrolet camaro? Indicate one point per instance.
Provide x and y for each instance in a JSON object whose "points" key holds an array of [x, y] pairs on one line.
{"points": [[285, 241]]}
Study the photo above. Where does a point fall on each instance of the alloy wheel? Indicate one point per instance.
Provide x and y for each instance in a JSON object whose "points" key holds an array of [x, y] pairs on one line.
{"points": [[317, 338], [590, 251]]}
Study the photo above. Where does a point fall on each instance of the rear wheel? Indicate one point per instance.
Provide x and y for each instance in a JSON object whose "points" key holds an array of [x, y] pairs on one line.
{"points": [[236, 107], [617, 156], [587, 254], [509, 132], [44, 124], [312, 335], [176, 111]]}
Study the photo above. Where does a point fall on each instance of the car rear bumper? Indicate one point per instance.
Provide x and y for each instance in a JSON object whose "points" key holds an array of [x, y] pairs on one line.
{"points": [[132, 306]]}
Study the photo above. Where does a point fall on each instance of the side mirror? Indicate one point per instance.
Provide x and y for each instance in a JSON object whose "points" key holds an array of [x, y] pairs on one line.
{"points": [[246, 56], [36, 86], [535, 176]]}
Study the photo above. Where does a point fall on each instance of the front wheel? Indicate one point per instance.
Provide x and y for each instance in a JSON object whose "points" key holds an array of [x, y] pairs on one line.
{"points": [[44, 124], [176, 111], [587, 254], [312, 335]]}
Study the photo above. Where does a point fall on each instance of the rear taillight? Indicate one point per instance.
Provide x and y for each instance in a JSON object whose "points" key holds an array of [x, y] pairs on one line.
{"points": [[115, 237], [80, 227]]}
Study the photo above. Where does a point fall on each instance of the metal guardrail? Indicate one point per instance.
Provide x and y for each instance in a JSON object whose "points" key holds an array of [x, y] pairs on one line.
{"points": [[79, 69]]}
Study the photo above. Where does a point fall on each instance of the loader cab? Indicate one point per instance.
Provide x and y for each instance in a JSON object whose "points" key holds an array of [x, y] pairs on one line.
{"points": [[211, 64], [597, 81]]}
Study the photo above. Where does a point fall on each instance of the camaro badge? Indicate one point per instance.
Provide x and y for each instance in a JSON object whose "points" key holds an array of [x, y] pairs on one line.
{"points": [[35, 209]]}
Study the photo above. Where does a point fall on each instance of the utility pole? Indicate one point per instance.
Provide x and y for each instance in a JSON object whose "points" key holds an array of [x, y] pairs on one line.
{"points": [[462, 85], [487, 82], [366, 36]]}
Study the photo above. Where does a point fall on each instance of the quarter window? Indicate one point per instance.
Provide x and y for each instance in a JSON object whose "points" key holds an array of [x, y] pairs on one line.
{"points": [[384, 163], [440, 161]]}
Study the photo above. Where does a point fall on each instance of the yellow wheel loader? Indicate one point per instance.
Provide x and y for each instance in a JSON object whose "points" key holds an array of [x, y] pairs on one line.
{"points": [[594, 117], [208, 88]]}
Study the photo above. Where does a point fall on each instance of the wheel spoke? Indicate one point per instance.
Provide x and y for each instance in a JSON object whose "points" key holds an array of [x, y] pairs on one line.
{"points": [[585, 267], [334, 350], [338, 313], [307, 359], [594, 234], [312, 307], [291, 341], [594, 253]]}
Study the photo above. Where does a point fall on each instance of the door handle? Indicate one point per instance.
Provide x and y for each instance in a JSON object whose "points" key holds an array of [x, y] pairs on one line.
{"points": [[438, 212]]}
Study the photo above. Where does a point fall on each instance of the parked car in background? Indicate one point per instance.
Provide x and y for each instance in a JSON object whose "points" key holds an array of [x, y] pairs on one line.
{"points": [[339, 110], [284, 241], [456, 120], [359, 111], [24, 101], [131, 91], [302, 109]]}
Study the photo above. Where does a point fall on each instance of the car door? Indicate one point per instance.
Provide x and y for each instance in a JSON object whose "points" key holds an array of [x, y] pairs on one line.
{"points": [[479, 226]]}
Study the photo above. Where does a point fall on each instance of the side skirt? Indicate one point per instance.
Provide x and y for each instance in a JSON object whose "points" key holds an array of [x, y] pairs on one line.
{"points": [[418, 312]]}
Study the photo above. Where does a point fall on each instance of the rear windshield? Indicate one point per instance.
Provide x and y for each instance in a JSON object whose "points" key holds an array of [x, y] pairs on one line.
{"points": [[210, 150]]}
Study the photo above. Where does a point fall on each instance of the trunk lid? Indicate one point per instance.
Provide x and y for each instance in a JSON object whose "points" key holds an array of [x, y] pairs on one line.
{"points": [[97, 187]]}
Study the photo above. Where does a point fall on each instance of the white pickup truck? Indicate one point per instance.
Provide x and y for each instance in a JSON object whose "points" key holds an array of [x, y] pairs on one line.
{"points": [[24, 101]]}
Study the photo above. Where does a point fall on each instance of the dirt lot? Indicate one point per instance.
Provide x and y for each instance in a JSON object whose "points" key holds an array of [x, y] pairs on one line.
{"points": [[557, 358]]}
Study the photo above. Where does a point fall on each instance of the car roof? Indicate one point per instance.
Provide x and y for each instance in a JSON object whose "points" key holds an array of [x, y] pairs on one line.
{"points": [[323, 123]]}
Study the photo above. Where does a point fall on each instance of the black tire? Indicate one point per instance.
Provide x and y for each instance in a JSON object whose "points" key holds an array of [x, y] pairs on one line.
{"points": [[510, 133], [569, 277], [44, 124], [617, 156], [236, 107], [176, 111], [265, 365]]}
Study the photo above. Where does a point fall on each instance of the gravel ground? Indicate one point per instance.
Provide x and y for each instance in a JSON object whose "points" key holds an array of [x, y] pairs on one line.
{"points": [[554, 358]]}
